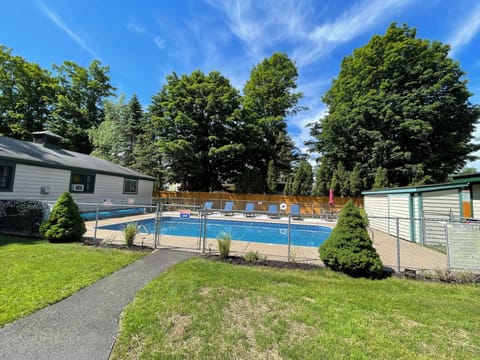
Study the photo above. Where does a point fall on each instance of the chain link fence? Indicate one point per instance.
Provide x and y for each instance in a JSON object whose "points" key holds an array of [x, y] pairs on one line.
{"points": [[417, 244], [404, 244], [276, 236]]}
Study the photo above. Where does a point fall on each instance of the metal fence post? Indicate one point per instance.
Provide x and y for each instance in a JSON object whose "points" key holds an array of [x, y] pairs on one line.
{"points": [[157, 220], [289, 237], [96, 224], [448, 245], [398, 245]]}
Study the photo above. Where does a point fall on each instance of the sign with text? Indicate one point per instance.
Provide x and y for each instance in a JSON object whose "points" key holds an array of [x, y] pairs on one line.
{"points": [[184, 213]]}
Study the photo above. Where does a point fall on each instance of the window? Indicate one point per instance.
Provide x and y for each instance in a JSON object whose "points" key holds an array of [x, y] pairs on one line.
{"points": [[82, 183], [130, 186], [7, 173]]}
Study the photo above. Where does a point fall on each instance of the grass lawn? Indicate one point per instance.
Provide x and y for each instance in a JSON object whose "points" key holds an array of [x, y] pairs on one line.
{"points": [[202, 309], [35, 273]]}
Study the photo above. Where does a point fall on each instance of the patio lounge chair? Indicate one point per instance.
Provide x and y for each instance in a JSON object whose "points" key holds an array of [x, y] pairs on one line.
{"points": [[250, 210], [207, 207], [295, 212], [228, 209], [273, 211]]}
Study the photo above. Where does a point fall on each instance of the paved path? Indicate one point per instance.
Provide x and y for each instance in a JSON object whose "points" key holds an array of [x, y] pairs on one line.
{"points": [[84, 325]]}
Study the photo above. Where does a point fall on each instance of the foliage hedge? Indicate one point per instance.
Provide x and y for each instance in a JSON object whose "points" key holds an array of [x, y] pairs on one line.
{"points": [[349, 248], [64, 223]]}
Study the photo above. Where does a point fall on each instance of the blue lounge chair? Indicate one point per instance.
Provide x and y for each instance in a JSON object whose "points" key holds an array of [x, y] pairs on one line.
{"points": [[228, 209], [207, 207], [273, 211], [250, 210], [295, 212]]}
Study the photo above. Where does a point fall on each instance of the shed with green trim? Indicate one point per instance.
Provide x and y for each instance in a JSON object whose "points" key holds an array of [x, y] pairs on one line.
{"points": [[413, 206]]}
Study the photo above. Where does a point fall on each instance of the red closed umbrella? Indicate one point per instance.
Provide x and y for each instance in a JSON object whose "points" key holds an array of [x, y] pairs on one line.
{"points": [[330, 201]]}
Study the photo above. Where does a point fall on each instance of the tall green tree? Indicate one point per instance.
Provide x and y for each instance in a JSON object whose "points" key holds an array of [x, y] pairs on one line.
{"points": [[107, 138], [381, 179], [271, 177], [79, 102], [133, 130], [199, 132], [321, 187], [402, 104], [269, 97], [26, 96], [302, 181]]}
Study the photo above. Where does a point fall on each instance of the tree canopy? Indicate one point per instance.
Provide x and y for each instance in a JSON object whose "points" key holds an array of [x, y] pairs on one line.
{"points": [[399, 103], [68, 100], [194, 117], [268, 99]]}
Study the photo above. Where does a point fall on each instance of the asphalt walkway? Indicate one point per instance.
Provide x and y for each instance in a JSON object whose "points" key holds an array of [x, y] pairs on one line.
{"points": [[84, 325]]}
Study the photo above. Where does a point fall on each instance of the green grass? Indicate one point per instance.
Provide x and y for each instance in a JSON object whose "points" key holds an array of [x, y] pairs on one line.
{"points": [[202, 309], [35, 274]]}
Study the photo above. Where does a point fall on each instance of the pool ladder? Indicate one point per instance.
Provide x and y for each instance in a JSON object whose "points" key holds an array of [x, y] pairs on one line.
{"points": [[144, 228]]}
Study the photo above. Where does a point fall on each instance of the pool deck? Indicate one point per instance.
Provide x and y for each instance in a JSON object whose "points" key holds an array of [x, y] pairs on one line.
{"points": [[412, 256]]}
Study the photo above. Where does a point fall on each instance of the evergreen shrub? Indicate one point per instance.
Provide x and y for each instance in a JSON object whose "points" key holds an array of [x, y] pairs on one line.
{"points": [[349, 248], [64, 223]]}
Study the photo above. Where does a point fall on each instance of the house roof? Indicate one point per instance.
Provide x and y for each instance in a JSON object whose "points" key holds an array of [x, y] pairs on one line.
{"points": [[38, 155], [416, 189], [472, 178]]}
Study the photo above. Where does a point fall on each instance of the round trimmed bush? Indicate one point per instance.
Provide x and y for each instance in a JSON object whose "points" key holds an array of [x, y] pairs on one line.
{"points": [[349, 248], [64, 223]]}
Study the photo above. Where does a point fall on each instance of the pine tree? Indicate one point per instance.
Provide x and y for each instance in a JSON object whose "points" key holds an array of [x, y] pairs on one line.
{"points": [[349, 248], [64, 223]]}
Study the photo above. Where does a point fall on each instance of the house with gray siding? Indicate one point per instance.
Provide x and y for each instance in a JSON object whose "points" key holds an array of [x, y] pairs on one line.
{"points": [[42, 170]]}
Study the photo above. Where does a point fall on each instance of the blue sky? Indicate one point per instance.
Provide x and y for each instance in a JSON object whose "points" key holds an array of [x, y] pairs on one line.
{"points": [[143, 41]]}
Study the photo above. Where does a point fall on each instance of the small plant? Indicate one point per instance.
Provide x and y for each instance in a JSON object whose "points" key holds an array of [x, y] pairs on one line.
{"points": [[224, 245], [130, 232], [254, 257], [64, 223], [349, 249]]}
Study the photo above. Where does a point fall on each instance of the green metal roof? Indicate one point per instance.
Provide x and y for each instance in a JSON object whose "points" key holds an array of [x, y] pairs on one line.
{"points": [[416, 189], [464, 179]]}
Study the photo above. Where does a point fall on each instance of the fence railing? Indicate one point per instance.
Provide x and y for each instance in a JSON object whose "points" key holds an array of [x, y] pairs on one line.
{"points": [[426, 243], [307, 209], [402, 243]]}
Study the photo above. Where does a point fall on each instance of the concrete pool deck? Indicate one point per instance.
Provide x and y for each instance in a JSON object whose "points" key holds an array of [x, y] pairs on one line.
{"points": [[412, 256]]}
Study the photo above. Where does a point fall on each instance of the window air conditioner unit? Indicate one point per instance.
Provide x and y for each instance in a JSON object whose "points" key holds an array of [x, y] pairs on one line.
{"points": [[77, 187]]}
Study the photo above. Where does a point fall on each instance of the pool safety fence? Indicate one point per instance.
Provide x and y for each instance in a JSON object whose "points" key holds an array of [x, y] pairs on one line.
{"points": [[306, 209], [426, 244], [276, 236]]}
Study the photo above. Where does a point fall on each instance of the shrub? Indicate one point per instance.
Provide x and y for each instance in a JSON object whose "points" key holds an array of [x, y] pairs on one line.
{"points": [[224, 246], [64, 223], [254, 257], [130, 232], [349, 248]]}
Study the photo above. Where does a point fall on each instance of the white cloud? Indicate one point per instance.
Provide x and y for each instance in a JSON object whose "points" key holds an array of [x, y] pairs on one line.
{"points": [[350, 24], [263, 24], [298, 126], [466, 31], [61, 24], [159, 42], [136, 28]]}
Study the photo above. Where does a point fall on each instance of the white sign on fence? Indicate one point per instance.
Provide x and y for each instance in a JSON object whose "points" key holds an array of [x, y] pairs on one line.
{"points": [[464, 246]]}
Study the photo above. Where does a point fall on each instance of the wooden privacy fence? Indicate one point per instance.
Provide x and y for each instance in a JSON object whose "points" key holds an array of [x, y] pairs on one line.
{"points": [[309, 205]]}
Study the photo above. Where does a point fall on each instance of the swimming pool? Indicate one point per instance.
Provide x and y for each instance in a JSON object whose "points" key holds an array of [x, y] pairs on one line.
{"points": [[106, 214], [251, 231]]}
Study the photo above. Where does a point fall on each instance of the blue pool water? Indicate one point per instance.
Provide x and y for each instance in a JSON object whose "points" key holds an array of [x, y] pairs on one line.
{"points": [[106, 214], [269, 233]]}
